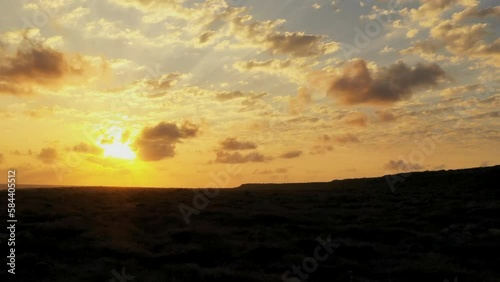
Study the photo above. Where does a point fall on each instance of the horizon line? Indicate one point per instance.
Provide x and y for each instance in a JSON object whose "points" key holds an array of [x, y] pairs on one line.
{"points": [[34, 186]]}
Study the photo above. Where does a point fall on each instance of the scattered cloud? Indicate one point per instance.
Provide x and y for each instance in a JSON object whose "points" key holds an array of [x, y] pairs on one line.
{"points": [[291, 154], [357, 84], [31, 63], [356, 119], [47, 155], [232, 144], [299, 103], [459, 90], [158, 142], [346, 138], [385, 116], [323, 145], [238, 158], [87, 148]]}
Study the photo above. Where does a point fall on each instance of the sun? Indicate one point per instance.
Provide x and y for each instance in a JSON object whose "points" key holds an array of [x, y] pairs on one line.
{"points": [[119, 151]]}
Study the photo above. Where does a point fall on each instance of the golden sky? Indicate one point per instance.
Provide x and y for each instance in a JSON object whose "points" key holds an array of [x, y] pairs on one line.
{"points": [[183, 93]]}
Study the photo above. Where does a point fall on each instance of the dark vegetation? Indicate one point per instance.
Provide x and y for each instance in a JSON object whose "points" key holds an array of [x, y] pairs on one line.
{"points": [[435, 226]]}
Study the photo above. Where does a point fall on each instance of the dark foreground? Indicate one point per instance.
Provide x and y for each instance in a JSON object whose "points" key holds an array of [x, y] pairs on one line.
{"points": [[436, 226]]}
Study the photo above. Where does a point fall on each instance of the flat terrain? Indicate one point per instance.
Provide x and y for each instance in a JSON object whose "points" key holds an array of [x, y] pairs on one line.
{"points": [[435, 226]]}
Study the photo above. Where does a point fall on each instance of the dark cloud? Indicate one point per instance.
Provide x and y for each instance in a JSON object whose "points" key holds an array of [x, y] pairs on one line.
{"points": [[226, 154], [357, 84], [265, 35], [206, 36], [158, 142], [87, 149], [47, 155], [159, 86], [34, 64], [269, 64], [291, 155], [231, 144], [296, 44], [347, 138], [238, 158]]}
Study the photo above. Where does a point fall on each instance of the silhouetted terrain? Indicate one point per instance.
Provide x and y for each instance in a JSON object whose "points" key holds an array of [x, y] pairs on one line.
{"points": [[434, 226]]}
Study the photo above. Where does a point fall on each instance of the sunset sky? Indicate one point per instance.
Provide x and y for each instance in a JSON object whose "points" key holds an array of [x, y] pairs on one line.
{"points": [[175, 93]]}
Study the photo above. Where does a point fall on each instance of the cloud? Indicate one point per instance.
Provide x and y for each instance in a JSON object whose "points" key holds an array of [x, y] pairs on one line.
{"points": [[474, 12], [231, 95], [272, 64], [238, 158], [428, 46], [232, 144], [467, 39], [30, 63], [265, 35], [291, 155], [158, 86], [459, 38], [357, 84], [430, 11], [387, 49], [158, 142], [253, 102], [157, 10], [345, 139], [47, 155], [226, 96], [206, 36], [356, 119], [298, 44], [323, 145], [401, 166], [87, 149], [225, 153], [269, 171], [459, 90], [299, 103], [291, 69], [385, 116]]}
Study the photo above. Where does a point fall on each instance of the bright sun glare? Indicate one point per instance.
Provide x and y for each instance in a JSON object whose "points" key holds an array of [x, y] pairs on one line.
{"points": [[118, 150], [116, 145]]}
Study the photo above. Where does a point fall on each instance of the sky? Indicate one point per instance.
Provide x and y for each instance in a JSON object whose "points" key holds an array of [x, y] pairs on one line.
{"points": [[183, 93]]}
